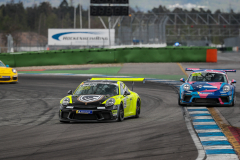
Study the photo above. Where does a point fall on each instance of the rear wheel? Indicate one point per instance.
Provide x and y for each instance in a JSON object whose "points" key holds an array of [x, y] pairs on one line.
{"points": [[120, 114], [138, 110]]}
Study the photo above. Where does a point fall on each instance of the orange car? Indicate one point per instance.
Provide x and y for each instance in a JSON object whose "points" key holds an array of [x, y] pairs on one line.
{"points": [[7, 74]]}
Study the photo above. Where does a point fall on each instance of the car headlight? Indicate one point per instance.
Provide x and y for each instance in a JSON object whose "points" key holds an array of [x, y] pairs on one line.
{"points": [[186, 87], [110, 102], [14, 70], [66, 101], [226, 88]]}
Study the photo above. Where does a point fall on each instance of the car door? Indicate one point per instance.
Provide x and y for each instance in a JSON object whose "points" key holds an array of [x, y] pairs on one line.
{"points": [[128, 100], [132, 104]]}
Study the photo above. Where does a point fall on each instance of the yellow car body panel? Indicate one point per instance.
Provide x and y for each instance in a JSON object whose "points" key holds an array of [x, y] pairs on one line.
{"points": [[7, 75]]}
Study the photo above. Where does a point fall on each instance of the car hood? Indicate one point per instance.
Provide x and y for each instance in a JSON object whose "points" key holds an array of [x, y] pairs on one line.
{"points": [[5, 70], [89, 99], [206, 86]]}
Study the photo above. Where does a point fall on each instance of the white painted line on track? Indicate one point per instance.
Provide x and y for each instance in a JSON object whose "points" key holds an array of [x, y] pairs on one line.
{"points": [[201, 151], [222, 157], [196, 107], [204, 123], [213, 138], [208, 130], [202, 117], [218, 147], [198, 112]]}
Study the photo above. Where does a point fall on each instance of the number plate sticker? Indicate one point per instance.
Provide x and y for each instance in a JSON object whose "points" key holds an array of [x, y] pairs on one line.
{"points": [[5, 76], [84, 112]]}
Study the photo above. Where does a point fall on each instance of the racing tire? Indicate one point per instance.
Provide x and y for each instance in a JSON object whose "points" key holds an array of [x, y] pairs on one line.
{"points": [[120, 114], [64, 121], [138, 110], [179, 103], [234, 100]]}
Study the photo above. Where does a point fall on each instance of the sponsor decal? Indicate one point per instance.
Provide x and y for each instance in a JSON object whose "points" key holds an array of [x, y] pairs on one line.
{"points": [[80, 36], [89, 98], [57, 36], [89, 84], [101, 108], [210, 87], [114, 112], [200, 86], [125, 103], [198, 74], [84, 112], [205, 93], [69, 107], [5, 76]]}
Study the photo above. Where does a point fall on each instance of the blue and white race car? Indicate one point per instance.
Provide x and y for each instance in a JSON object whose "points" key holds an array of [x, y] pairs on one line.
{"points": [[207, 87]]}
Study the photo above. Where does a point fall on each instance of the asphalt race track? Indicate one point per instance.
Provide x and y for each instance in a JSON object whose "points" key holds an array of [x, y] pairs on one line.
{"points": [[30, 129]]}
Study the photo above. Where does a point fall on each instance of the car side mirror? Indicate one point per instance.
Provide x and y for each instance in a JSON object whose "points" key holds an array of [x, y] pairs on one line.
{"points": [[233, 81], [126, 93], [7, 65], [70, 92], [182, 80]]}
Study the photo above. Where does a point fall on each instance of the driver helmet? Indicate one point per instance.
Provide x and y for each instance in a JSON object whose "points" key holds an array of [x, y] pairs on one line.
{"points": [[111, 89], [218, 77]]}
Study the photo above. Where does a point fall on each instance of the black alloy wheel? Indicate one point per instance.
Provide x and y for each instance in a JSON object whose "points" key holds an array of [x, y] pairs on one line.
{"points": [[64, 121], [138, 110], [120, 114], [234, 100]]}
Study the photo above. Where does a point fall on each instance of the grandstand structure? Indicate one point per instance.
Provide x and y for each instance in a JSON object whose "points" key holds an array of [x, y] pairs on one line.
{"points": [[171, 27]]}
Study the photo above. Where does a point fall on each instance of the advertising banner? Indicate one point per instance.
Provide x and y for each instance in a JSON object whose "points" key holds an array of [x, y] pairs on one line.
{"points": [[81, 37]]}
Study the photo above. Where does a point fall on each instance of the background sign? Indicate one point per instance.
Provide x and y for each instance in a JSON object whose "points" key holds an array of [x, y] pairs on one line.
{"points": [[80, 37]]}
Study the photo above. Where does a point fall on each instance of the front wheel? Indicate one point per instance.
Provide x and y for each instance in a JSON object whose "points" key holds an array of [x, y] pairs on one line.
{"points": [[234, 100], [64, 121], [179, 102], [138, 110], [120, 114]]}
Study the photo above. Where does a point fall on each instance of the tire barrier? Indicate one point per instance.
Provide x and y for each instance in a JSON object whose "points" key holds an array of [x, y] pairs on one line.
{"points": [[120, 55], [211, 55]]}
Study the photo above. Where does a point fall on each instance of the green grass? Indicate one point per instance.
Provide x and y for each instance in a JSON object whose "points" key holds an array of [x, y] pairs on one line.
{"points": [[102, 70], [112, 71]]}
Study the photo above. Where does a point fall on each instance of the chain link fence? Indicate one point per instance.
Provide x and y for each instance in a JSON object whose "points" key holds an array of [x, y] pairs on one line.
{"points": [[232, 42]]}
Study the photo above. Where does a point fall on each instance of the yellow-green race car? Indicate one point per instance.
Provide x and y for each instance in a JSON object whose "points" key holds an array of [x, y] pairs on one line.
{"points": [[101, 99]]}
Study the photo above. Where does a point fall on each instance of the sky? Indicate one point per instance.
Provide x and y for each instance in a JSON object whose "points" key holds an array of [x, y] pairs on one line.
{"points": [[145, 5]]}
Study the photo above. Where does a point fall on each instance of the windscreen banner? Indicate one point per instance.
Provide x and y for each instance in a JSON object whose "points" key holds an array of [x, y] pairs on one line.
{"points": [[81, 37]]}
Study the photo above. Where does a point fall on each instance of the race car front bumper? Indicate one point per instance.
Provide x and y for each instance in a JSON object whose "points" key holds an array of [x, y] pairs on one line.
{"points": [[74, 115], [211, 99], [8, 79]]}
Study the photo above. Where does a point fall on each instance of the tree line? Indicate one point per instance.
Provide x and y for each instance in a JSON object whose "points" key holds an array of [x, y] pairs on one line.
{"points": [[15, 18]]}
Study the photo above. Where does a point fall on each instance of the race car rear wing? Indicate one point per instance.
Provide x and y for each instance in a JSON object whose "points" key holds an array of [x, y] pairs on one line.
{"points": [[120, 79], [195, 69]]}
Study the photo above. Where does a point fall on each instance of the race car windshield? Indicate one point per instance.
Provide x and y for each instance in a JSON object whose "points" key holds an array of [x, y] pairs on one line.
{"points": [[1, 64], [97, 88], [207, 77]]}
